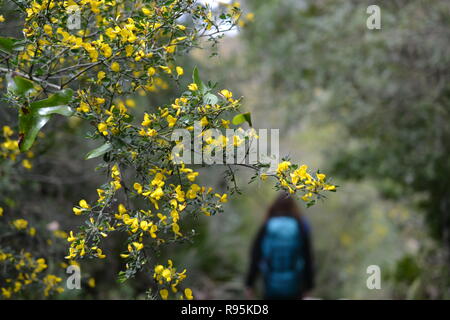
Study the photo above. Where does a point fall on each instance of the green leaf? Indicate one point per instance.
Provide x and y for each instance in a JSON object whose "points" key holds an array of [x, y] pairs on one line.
{"points": [[122, 277], [196, 79], [29, 126], [62, 110], [8, 45], [97, 152], [19, 85], [58, 99], [34, 117], [241, 118], [310, 203]]}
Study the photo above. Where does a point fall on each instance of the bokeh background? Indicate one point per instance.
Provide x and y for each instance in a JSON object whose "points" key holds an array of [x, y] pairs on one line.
{"points": [[371, 108]]}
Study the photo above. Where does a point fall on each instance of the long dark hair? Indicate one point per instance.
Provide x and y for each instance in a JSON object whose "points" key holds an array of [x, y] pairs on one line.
{"points": [[283, 206]]}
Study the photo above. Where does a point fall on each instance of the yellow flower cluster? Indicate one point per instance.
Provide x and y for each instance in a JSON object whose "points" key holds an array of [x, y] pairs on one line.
{"points": [[79, 248], [83, 206], [21, 272], [27, 272], [22, 225], [9, 149], [51, 283], [167, 276], [136, 225], [294, 178]]}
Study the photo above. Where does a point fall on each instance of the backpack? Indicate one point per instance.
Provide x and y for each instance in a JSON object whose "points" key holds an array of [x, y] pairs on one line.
{"points": [[282, 262]]}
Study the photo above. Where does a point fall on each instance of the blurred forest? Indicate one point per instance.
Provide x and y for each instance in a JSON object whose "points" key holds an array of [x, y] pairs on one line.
{"points": [[369, 107]]}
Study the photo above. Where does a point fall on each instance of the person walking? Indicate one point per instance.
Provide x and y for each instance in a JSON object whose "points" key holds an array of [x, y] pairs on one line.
{"points": [[282, 253]]}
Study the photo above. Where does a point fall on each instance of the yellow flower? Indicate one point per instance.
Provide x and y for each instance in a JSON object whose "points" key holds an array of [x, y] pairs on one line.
{"points": [[77, 211], [176, 229], [103, 128], [1, 212], [320, 176], [225, 123], [144, 225], [149, 132], [180, 71], [147, 120], [100, 254], [91, 282], [20, 224], [307, 196], [2, 19], [110, 32], [171, 120], [138, 245], [193, 87], [84, 204], [11, 144], [227, 94], [153, 230], [237, 141], [157, 194], [7, 131], [106, 50], [137, 187], [130, 103], [188, 294], [27, 164], [48, 29], [206, 212], [164, 294], [32, 232], [283, 166], [41, 265], [191, 176], [146, 11], [167, 274], [159, 268], [151, 71], [166, 69], [204, 121], [222, 198], [101, 75], [115, 67], [71, 238], [7, 292], [179, 194], [116, 184], [158, 180], [192, 192], [84, 107], [170, 49], [101, 195]]}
